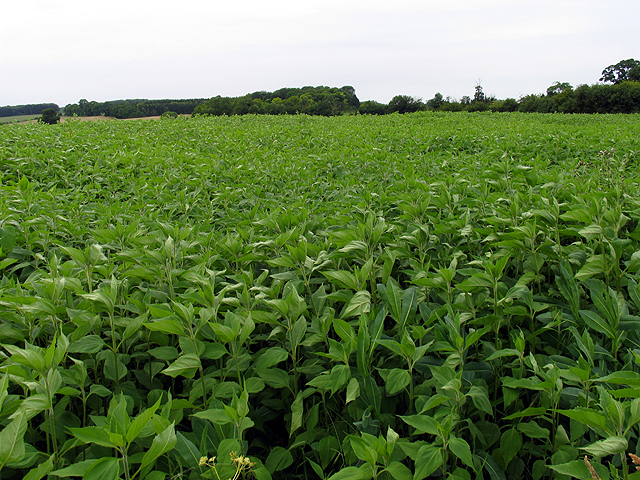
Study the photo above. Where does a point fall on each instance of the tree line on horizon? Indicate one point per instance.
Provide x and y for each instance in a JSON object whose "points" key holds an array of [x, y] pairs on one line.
{"points": [[31, 109], [134, 108], [619, 92]]}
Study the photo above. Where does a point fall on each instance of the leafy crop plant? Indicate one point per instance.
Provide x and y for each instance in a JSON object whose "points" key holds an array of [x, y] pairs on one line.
{"points": [[429, 295]]}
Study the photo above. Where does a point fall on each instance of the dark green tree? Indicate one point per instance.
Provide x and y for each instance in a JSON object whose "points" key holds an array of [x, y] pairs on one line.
{"points": [[622, 71], [436, 102], [558, 87], [405, 104], [50, 116], [371, 107]]}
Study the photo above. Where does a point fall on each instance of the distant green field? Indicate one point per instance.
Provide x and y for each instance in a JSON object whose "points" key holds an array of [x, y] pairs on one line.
{"points": [[18, 118], [398, 297]]}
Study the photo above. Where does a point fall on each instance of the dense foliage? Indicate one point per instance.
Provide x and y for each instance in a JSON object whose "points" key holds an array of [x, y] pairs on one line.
{"points": [[625, 70], [405, 296], [622, 96], [132, 108], [321, 100], [50, 116], [34, 109]]}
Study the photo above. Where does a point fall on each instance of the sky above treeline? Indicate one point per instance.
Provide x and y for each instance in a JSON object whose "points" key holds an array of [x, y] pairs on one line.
{"points": [[63, 50]]}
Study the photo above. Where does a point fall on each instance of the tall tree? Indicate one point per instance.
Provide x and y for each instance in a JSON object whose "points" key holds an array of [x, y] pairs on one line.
{"points": [[622, 71]]}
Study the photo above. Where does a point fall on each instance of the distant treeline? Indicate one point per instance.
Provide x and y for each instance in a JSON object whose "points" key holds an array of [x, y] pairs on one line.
{"points": [[620, 93], [560, 97], [623, 97], [326, 101], [132, 108], [35, 109]]}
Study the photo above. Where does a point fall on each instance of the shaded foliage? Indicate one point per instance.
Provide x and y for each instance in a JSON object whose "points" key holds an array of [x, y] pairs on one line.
{"points": [[134, 108], [50, 116], [32, 109], [324, 101], [622, 71]]}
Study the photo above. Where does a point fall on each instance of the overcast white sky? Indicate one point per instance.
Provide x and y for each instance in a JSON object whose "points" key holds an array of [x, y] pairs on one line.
{"points": [[63, 50]]}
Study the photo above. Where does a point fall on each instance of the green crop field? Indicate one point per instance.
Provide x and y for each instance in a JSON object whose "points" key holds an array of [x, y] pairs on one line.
{"points": [[18, 118], [451, 296]]}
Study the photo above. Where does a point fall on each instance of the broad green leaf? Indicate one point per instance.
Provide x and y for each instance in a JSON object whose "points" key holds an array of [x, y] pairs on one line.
{"points": [[87, 344], [345, 331], [141, 421], [422, 423], [462, 450], [392, 439], [29, 356], [399, 471], [75, 470], [217, 416], [133, 325], [429, 460], [595, 265], [41, 470], [100, 390], [342, 279], [106, 468], [271, 357], [480, 399], [162, 443], [7, 239], [491, 466], [156, 475], [597, 323], [532, 430], [506, 352], [275, 377], [394, 300], [165, 353], [392, 345], [510, 444], [623, 377], [591, 232], [97, 435], [254, 384], [12, 440], [353, 389], [297, 411], [224, 332], [363, 450], [608, 446], [214, 351], [338, 376], [348, 473], [299, 330], [279, 458], [186, 366], [360, 303], [589, 417], [171, 326], [396, 381], [528, 412], [187, 450], [409, 306], [578, 469]]}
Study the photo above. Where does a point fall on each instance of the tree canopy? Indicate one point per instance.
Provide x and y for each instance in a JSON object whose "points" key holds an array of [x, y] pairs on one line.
{"points": [[625, 70], [620, 93], [319, 100], [50, 116], [31, 109]]}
